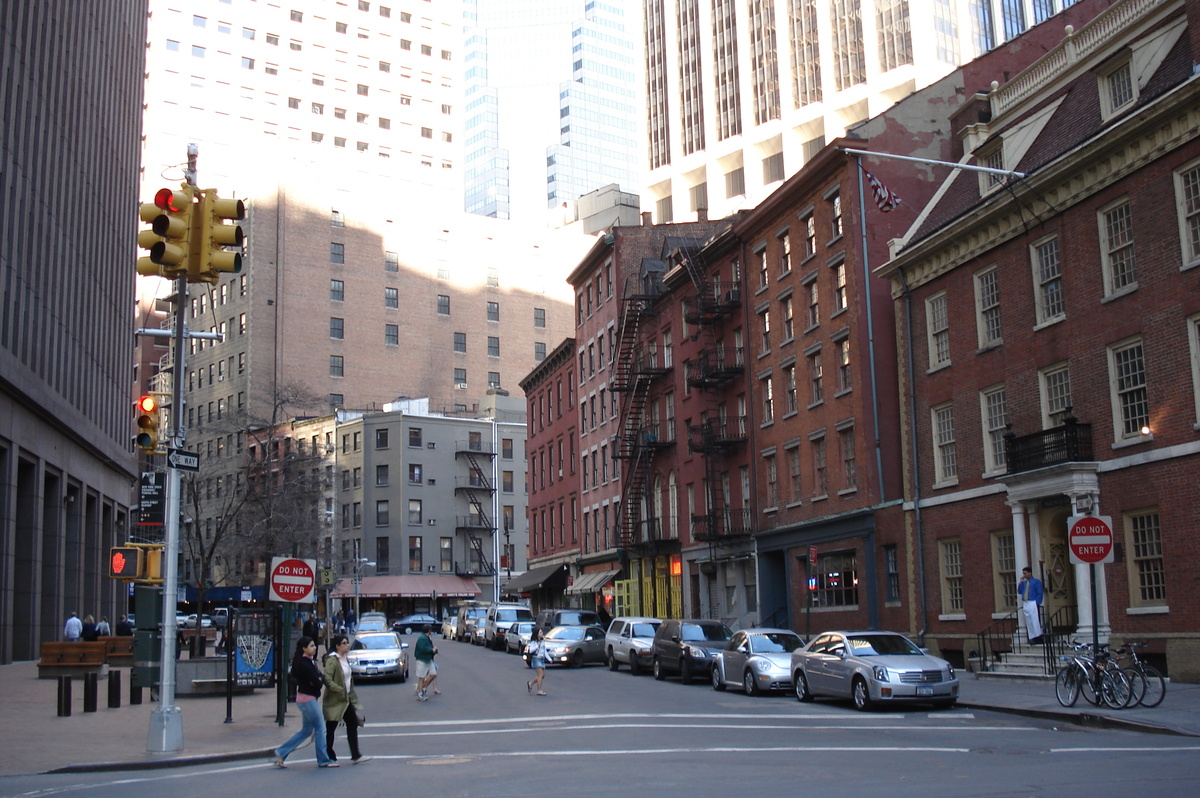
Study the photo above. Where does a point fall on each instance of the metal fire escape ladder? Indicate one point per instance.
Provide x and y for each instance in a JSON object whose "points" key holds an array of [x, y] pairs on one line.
{"points": [[630, 444], [479, 482]]}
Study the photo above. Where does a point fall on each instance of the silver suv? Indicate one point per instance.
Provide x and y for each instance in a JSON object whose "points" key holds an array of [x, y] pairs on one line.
{"points": [[628, 640], [499, 618]]}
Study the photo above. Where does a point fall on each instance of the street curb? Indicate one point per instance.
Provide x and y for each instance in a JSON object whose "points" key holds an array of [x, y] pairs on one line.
{"points": [[1088, 719], [161, 764]]}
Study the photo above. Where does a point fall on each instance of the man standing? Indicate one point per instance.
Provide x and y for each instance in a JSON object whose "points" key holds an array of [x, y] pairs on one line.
{"points": [[73, 629], [426, 670], [1030, 591], [124, 627]]}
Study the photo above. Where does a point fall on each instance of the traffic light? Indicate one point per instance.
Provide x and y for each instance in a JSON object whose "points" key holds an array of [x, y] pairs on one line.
{"points": [[125, 562], [212, 257], [147, 421], [171, 217], [152, 568]]}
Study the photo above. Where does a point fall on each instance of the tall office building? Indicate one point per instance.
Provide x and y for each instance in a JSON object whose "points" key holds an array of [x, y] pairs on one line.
{"points": [[739, 96], [552, 97], [71, 89]]}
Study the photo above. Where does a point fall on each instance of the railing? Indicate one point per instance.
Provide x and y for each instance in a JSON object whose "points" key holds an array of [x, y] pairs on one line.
{"points": [[722, 523], [719, 299], [472, 522], [472, 483], [1069, 443], [475, 447], [1056, 636], [997, 640], [715, 367], [716, 433]]}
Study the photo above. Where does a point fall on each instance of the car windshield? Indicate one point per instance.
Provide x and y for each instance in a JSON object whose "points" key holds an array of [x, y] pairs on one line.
{"points": [[374, 642], [715, 633], [514, 615], [881, 645], [522, 628], [644, 629], [774, 643], [576, 618], [566, 633], [476, 613]]}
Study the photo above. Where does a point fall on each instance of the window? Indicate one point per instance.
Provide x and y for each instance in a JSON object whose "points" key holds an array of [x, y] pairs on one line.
{"points": [[493, 379], [340, 27], [493, 311], [385, 123], [539, 351], [337, 253], [1056, 394], [426, 132], [785, 254], [415, 514], [297, 16], [493, 346], [415, 561], [199, 22], [506, 448], [845, 375], [337, 291], [815, 377], [768, 401], [318, 109], [337, 328], [391, 262], [446, 554], [460, 378], [391, 298], [1004, 571], [820, 465], [835, 215], [944, 456], [1187, 200], [443, 305], [938, 320], [1116, 248], [506, 481], [414, 474], [772, 481], [1147, 574], [765, 325], [426, 49], [839, 287], [1047, 280], [381, 513], [197, 52], [764, 276], [381, 439], [814, 310], [414, 437], [1193, 326], [993, 409], [172, 45], [789, 381], [1127, 374], [539, 317], [836, 580], [785, 307], [987, 307], [247, 63], [795, 481], [809, 223], [950, 556], [337, 366], [849, 459], [363, 90], [460, 342], [272, 39], [1117, 88], [391, 335]]}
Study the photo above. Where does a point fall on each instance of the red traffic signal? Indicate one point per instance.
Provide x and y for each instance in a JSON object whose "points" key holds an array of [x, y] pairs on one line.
{"points": [[147, 421], [125, 562]]}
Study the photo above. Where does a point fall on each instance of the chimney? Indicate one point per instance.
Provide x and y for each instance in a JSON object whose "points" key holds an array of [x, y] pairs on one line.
{"points": [[702, 214], [646, 218]]}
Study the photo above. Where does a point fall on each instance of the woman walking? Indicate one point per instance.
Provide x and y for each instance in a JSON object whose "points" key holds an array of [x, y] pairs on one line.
{"points": [[309, 681], [537, 660], [341, 700]]}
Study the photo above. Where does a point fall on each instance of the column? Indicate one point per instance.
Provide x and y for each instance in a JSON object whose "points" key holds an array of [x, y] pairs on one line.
{"points": [[1020, 556]]}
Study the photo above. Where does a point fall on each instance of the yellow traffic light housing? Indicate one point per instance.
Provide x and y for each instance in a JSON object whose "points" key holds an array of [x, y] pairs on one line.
{"points": [[152, 567], [171, 218], [125, 562], [147, 421], [214, 235]]}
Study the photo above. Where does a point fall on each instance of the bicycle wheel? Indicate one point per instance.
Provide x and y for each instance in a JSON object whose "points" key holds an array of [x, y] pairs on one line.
{"points": [[1156, 686], [1137, 685], [1066, 685], [1088, 681], [1114, 689]]}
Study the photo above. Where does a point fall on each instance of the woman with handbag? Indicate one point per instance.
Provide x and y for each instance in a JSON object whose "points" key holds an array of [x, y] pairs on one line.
{"points": [[309, 683], [341, 700], [537, 660]]}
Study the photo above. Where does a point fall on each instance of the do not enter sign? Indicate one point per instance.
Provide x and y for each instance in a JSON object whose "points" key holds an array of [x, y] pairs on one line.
{"points": [[292, 579], [1090, 538]]}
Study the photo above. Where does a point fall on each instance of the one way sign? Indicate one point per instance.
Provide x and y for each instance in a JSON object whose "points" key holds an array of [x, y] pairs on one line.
{"points": [[184, 461]]}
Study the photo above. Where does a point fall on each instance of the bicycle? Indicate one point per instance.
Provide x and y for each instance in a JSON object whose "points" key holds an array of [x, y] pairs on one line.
{"points": [[1147, 682], [1092, 676]]}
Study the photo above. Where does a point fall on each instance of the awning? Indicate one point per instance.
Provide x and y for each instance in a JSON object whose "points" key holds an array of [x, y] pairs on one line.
{"points": [[591, 582], [408, 587], [538, 578]]}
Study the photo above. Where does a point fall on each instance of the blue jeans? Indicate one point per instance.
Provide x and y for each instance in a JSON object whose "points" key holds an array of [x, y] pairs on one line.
{"points": [[314, 726]]}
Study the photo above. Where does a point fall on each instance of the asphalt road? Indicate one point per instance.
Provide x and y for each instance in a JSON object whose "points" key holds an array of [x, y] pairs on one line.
{"points": [[602, 733]]}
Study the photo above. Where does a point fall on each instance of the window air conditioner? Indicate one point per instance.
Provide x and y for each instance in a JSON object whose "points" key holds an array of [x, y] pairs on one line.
{"points": [[432, 568], [460, 385], [431, 481], [431, 445], [433, 522]]}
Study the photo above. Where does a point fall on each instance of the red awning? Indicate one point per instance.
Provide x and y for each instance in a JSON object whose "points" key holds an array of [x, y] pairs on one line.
{"points": [[408, 587]]}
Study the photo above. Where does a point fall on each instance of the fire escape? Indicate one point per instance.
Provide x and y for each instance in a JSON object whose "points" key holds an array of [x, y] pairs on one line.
{"points": [[475, 485]]}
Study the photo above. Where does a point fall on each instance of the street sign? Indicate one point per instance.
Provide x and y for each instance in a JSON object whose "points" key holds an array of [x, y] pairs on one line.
{"points": [[183, 460], [152, 499], [812, 555], [1090, 539], [293, 580]]}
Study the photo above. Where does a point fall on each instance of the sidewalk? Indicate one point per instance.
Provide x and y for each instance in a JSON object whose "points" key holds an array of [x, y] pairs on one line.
{"points": [[116, 738]]}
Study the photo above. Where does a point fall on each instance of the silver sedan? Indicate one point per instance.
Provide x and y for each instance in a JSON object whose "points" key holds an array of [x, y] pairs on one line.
{"points": [[758, 660], [378, 655], [871, 669], [574, 645]]}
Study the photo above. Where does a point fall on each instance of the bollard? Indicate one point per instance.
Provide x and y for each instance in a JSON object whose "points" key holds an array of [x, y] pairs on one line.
{"points": [[91, 686], [114, 689], [64, 696], [135, 692]]}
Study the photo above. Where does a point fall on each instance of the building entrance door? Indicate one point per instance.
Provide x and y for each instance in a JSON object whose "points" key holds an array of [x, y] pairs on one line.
{"points": [[1057, 573]]}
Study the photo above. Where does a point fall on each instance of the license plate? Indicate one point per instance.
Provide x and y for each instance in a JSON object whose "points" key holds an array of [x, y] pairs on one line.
{"points": [[924, 691], [372, 671]]}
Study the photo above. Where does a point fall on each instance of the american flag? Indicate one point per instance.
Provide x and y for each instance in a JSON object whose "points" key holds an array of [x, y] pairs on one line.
{"points": [[884, 197]]}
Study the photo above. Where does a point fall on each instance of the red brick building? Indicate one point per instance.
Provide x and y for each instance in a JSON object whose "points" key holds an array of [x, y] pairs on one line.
{"points": [[1048, 322]]}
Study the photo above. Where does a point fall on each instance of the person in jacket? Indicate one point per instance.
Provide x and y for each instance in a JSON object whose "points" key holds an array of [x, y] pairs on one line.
{"points": [[88, 633], [537, 660], [72, 629], [309, 681], [1029, 589], [426, 669], [341, 700]]}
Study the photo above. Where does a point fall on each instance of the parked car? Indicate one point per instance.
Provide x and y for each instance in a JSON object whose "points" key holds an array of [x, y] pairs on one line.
{"points": [[517, 637], [378, 655], [449, 626], [757, 659], [871, 668], [499, 618], [220, 617], [628, 640], [190, 622], [470, 616], [372, 622], [574, 645], [687, 647], [548, 619], [413, 623]]}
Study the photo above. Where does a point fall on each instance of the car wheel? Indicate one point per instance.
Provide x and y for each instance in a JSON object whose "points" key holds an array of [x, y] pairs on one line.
{"points": [[577, 659], [861, 695], [749, 684], [658, 670], [800, 684], [685, 672], [633, 663], [717, 683], [612, 661], [408, 630]]}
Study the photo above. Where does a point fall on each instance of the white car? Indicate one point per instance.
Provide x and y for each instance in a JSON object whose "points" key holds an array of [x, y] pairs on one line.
{"points": [[872, 669], [628, 641], [190, 622], [757, 660]]}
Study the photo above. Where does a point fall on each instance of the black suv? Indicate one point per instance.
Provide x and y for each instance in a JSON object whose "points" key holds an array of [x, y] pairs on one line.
{"points": [[548, 619], [687, 647]]}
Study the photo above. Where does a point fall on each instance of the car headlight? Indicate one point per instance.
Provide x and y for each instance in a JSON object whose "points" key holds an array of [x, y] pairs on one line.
{"points": [[557, 649], [881, 674], [950, 672], [697, 653]]}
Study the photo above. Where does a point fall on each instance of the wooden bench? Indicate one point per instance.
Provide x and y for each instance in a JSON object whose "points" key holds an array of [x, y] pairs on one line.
{"points": [[71, 659], [117, 650]]}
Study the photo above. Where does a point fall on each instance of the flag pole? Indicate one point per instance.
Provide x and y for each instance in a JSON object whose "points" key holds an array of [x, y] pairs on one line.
{"points": [[951, 164]]}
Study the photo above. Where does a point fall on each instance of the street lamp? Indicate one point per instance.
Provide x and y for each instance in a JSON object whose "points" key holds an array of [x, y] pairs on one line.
{"points": [[359, 562]]}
